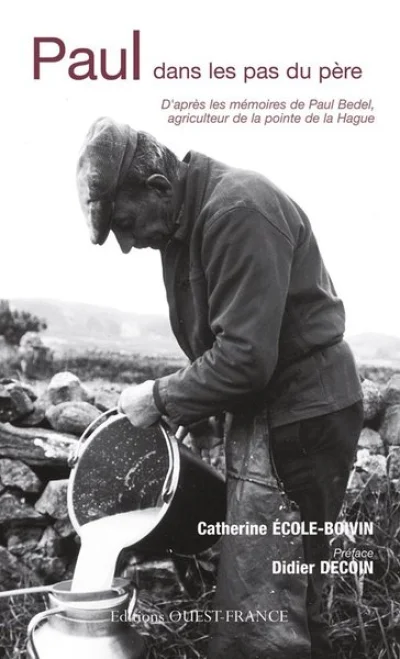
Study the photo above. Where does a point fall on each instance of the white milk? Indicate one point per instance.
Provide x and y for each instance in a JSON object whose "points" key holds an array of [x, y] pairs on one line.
{"points": [[101, 543]]}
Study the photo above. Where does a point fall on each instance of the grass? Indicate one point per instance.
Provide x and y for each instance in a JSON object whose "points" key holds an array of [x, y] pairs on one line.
{"points": [[364, 611], [15, 615], [183, 638]]}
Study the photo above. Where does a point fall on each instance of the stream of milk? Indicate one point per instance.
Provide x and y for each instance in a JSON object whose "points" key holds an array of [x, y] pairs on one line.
{"points": [[101, 543]]}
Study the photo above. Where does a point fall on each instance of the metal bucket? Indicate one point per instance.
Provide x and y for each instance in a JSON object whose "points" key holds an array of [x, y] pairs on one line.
{"points": [[119, 468], [82, 625]]}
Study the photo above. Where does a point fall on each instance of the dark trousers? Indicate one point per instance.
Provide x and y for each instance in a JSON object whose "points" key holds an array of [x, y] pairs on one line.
{"points": [[313, 459]]}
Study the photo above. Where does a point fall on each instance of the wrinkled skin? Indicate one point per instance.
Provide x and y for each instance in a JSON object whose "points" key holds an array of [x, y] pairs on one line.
{"points": [[142, 216]]}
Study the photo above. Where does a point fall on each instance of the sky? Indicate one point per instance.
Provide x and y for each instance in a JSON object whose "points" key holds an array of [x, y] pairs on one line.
{"points": [[345, 177]]}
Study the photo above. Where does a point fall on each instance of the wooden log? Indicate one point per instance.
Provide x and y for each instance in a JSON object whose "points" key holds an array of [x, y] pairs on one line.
{"points": [[35, 446]]}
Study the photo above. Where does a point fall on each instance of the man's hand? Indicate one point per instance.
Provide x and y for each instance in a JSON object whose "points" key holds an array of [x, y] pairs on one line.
{"points": [[205, 439], [137, 402]]}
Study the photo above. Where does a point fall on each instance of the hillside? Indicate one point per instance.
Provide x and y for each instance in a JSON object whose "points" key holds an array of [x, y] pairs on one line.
{"points": [[89, 325], [79, 324]]}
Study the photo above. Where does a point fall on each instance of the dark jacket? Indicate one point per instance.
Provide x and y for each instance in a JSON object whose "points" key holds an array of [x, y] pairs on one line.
{"points": [[251, 304]]}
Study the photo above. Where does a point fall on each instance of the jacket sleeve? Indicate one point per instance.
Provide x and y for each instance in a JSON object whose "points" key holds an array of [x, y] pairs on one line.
{"points": [[246, 261]]}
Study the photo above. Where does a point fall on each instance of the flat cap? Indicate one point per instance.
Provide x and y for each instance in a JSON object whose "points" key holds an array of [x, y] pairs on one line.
{"points": [[104, 160]]}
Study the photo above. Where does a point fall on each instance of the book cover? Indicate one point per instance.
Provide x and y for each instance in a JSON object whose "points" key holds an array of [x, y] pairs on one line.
{"points": [[302, 93]]}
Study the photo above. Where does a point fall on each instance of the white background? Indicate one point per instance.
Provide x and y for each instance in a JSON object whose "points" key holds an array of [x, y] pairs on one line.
{"points": [[344, 177]]}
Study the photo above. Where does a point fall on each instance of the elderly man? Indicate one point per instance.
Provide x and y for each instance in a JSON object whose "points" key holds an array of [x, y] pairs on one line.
{"points": [[253, 307]]}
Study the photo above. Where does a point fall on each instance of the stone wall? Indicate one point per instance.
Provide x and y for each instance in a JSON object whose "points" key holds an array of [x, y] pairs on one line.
{"points": [[378, 457], [37, 436], [38, 433]]}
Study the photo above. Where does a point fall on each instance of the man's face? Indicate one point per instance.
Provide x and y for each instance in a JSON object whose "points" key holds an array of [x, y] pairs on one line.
{"points": [[140, 219]]}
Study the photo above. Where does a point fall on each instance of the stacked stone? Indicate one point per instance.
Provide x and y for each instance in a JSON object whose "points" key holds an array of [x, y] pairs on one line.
{"points": [[38, 433], [378, 455], [37, 436]]}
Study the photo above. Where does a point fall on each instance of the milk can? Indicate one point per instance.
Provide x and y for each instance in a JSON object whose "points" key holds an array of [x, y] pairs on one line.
{"points": [[86, 625]]}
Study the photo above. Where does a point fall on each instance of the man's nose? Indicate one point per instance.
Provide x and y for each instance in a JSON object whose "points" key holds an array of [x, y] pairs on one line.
{"points": [[125, 242]]}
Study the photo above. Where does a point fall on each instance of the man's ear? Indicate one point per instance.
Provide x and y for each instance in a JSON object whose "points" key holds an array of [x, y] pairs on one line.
{"points": [[160, 184]]}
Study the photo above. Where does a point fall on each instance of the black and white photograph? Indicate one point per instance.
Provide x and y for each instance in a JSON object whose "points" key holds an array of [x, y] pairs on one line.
{"points": [[199, 331]]}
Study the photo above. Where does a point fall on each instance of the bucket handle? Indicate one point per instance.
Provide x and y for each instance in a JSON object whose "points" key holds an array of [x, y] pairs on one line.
{"points": [[179, 436], [132, 604], [167, 487], [39, 617], [74, 457]]}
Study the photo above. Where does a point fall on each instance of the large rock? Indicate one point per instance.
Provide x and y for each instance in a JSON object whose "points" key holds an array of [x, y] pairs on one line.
{"points": [[14, 509], [26, 387], [22, 402], [11, 571], [48, 568], [390, 429], [35, 418], [50, 542], [29, 390], [393, 462], [371, 440], [391, 393], [71, 417], [33, 412], [372, 399], [35, 446], [370, 472], [46, 560], [15, 400], [66, 386], [64, 528], [53, 501], [14, 473], [23, 540]]}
